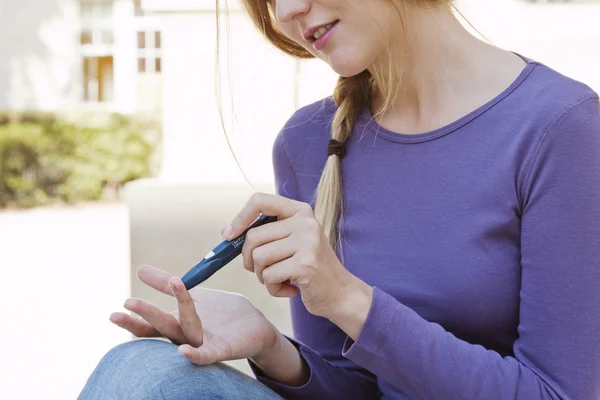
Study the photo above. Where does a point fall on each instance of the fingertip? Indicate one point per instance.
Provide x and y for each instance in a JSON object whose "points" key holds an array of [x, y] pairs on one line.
{"points": [[132, 304], [226, 232], [287, 290], [184, 350], [115, 318], [175, 284], [143, 269]]}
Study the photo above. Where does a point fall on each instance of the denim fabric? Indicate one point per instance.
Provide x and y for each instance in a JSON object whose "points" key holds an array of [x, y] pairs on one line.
{"points": [[150, 369]]}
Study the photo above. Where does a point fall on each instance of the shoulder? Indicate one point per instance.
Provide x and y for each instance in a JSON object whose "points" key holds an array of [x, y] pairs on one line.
{"points": [[317, 112], [299, 149], [306, 125], [554, 96], [566, 118], [317, 115], [562, 105], [554, 110]]}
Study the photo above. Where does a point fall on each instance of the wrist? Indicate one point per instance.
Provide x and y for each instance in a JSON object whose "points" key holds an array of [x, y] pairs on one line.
{"points": [[353, 308], [283, 363], [271, 352]]}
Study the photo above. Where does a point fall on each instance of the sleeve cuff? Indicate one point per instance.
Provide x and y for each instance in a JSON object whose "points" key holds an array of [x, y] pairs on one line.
{"points": [[371, 336], [291, 392]]}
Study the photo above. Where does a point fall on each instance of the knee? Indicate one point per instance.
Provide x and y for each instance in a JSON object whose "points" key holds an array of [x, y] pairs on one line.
{"points": [[138, 354], [152, 369], [134, 370]]}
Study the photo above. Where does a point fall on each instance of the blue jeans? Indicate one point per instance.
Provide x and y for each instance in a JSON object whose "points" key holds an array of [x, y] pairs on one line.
{"points": [[150, 369]]}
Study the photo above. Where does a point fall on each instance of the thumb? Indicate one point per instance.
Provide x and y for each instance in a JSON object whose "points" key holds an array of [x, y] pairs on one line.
{"points": [[203, 355]]}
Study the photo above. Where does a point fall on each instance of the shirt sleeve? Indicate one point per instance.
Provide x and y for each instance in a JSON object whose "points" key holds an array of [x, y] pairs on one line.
{"points": [[319, 342], [557, 353]]}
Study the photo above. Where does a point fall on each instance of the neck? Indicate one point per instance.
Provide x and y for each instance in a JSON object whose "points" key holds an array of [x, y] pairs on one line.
{"points": [[435, 60]]}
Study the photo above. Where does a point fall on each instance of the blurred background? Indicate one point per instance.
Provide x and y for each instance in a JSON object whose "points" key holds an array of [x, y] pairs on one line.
{"points": [[112, 155]]}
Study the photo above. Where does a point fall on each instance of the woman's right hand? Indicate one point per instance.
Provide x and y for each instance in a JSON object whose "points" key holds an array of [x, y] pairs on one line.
{"points": [[210, 325]]}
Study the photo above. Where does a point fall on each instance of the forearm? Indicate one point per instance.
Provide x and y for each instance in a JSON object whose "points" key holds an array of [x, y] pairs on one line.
{"points": [[283, 364], [351, 312], [424, 361]]}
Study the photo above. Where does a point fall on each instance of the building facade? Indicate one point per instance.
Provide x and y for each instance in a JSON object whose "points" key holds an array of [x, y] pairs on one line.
{"points": [[62, 55], [158, 56]]}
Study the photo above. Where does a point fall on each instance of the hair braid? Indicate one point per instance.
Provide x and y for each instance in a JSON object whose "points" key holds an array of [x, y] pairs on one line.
{"points": [[351, 95]]}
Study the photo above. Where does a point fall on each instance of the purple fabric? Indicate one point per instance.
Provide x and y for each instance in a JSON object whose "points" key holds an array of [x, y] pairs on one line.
{"points": [[481, 239]]}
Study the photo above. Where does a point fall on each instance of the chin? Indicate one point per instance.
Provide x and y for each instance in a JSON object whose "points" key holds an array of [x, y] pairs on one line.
{"points": [[345, 65]]}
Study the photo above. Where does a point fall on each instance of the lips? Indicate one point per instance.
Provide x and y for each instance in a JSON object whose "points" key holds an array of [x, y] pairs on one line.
{"points": [[313, 33], [322, 31]]}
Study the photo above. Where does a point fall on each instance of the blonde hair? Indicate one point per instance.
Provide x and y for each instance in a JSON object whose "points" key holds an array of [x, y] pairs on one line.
{"points": [[351, 95]]}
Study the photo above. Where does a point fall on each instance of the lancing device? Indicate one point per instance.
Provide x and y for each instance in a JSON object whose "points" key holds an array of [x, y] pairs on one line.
{"points": [[220, 256]]}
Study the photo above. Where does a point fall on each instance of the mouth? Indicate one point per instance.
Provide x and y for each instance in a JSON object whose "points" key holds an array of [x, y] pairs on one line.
{"points": [[313, 34]]}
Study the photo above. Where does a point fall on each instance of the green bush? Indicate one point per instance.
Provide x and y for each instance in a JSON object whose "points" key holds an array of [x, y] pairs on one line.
{"points": [[46, 158]]}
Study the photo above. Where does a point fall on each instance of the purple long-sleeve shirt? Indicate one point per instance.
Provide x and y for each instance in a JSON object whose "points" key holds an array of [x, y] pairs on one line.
{"points": [[481, 240]]}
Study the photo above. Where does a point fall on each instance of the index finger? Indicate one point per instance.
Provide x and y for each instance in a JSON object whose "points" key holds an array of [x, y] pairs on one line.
{"points": [[266, 204], [190, 322], [155, 278]]}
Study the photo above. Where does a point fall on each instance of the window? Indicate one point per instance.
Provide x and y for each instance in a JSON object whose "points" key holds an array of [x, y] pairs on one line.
{"points": [[141, 40], [97, 39], [96, 22], [86, 37], [157, 43], [149, 65], [149, 52], [98, 79], [107, 37], [138, 8]]}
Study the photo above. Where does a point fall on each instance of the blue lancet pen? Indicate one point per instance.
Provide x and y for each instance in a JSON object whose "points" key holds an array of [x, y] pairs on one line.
{"points": [[220, 256]]}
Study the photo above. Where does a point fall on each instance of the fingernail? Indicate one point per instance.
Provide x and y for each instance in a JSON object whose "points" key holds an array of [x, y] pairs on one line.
{"points": [[129, 303], [172, 283], [227, 232]]}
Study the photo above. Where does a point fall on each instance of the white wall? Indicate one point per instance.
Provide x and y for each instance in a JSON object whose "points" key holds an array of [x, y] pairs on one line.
{"points": [[565, 36], [263, 83], [39, 61], [125, 57]]}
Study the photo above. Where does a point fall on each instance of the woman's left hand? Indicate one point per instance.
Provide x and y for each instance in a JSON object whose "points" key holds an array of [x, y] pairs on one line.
{"points": [[294, 249]]}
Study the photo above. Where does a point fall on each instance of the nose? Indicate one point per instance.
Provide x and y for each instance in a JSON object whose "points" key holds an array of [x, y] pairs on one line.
{"points": [[287, 10]]}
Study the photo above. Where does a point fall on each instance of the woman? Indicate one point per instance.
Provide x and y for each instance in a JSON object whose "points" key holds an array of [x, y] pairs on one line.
{"points": [[460, 186]]}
